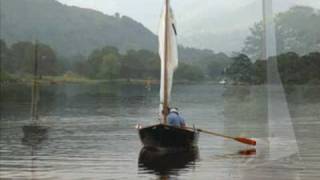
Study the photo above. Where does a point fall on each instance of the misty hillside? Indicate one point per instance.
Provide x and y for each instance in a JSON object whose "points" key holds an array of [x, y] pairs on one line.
{"points": [[70, 30], [226, 31]]}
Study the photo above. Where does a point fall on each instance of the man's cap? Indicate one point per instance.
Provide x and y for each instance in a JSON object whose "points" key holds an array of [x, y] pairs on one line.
{"points": [[175, 110]]}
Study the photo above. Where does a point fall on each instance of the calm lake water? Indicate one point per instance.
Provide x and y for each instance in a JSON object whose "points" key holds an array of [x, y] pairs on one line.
{"points": [[92, 134]]}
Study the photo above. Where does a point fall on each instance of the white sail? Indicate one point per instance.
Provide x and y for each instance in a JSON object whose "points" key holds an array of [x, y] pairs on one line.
{"points": [[171, 54], [282, 139]]}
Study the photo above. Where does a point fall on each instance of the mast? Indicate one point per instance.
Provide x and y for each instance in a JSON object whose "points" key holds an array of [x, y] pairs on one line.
{"points": [[264, 31], [35, 95], [165, 102]]}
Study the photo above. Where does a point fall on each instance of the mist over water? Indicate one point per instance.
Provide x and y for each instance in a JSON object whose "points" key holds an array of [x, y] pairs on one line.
{"points": [[92, 133]]}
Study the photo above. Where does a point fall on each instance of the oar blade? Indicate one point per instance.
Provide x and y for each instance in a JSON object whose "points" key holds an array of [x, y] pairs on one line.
{"points": [[246, 141]]}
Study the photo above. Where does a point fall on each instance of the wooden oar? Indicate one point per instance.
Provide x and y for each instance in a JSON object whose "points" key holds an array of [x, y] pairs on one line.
{"points": [[239, 139]]}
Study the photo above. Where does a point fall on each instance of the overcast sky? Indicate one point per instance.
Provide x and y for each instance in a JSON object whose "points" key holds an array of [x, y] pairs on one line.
{"points": [[148, 11]]}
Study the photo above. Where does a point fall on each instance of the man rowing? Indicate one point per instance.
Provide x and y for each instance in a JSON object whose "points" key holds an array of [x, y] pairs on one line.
{"points": [[174, 119]]}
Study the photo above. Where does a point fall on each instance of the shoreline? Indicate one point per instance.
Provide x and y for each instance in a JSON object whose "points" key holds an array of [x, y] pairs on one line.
{"points": [[75, 79]]}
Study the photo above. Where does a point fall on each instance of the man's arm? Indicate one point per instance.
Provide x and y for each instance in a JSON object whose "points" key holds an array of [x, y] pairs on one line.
{"points": [[182, 123]]}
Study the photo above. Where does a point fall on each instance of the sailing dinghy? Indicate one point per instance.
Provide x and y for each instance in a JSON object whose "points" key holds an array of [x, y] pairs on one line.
{"points": [[163, 136], [36, 130]]}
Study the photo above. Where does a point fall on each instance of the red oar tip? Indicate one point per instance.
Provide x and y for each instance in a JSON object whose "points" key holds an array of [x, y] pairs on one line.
{"points": [[246, 141]]}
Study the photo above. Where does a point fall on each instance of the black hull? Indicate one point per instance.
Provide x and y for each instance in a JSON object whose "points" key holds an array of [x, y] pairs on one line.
{"points": [[162, 136]]}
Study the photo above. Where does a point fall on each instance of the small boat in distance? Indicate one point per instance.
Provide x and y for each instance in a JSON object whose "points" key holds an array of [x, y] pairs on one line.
{"points": [[36, 131], [162, 136], [223, 82]]}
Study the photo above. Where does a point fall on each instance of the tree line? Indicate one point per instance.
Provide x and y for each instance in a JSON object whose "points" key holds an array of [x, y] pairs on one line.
{"points": [[19, 58], [298, 41], [108, 63], [292, 68], [105, 63]]}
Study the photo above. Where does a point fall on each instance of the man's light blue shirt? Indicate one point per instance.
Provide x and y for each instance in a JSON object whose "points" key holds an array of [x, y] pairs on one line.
{"points": [[175, 120]]}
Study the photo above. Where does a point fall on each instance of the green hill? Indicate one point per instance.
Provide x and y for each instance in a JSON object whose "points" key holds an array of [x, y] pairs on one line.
{"points": [[74, 33], [70, 30]]}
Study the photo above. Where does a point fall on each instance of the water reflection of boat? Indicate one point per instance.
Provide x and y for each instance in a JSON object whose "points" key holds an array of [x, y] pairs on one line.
{"points": [[161, 135], [34, 134], [35, 131], [167, 163], [34, 137]]}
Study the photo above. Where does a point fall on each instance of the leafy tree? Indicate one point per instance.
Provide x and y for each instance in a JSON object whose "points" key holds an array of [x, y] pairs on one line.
{"points": [[110, 67], [140, 64], [4, 60], [254, 42], [21, 56], [4, 76], [216, 65], [154, 68], [3, 48], [48, 63], [290, 68], [212, 64], [241, 70], [189, 72], [101, 57], [4, 55], [260, 72], [312, 66], [297, 30], [21, 61]]}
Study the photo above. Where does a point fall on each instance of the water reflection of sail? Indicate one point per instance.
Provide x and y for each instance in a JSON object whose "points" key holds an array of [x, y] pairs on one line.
{"points": [[34, 135], [165, 164]]}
